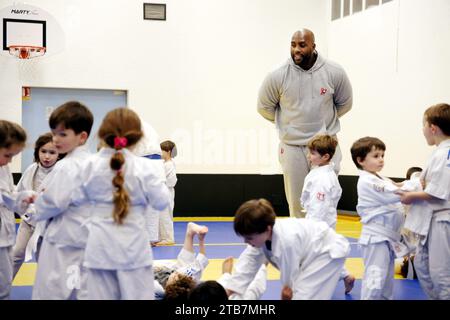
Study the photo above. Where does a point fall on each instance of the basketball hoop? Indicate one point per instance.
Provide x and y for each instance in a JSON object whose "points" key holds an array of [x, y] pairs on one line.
{"points": [[27, 65], [26, 52]]}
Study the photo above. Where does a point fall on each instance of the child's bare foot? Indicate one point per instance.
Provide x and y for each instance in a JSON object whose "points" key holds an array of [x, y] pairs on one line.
{"points": [[193, 228], [349, 282], [227, 265]]}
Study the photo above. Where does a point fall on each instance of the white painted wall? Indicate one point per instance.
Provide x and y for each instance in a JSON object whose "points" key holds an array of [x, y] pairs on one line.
{"points": [[397, 57], [194, 77]]}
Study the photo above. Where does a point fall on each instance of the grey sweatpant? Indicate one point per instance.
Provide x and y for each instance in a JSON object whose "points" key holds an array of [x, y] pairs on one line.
{"points": [[295, 167], [6, 271]]}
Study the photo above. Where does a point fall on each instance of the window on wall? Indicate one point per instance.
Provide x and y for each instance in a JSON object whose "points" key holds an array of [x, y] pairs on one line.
{"points": [[343, 8], [335, 9], [357, 6], [346, 8], [372, 3]]}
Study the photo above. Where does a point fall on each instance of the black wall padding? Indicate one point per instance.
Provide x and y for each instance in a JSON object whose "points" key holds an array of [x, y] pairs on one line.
{"points": [[209, 195]]}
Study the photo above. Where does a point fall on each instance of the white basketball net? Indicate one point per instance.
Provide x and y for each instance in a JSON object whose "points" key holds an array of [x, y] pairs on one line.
{"points": [[26, 63]]}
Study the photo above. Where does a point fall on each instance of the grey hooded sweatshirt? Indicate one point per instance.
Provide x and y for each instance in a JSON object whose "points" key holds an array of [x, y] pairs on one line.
{"points": [[304, 103]]}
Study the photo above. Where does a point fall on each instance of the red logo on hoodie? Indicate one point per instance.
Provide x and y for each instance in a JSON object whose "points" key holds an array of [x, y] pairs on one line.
{"points": [[323, 91]]}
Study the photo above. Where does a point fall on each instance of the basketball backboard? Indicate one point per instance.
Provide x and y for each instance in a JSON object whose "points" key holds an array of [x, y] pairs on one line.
{"points": [[26, 25]]}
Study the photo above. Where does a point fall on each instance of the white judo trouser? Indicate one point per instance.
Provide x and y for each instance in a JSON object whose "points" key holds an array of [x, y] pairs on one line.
{"points": [[166, 232], [152, 217], [344, 271], [378, 279], [6, 272], [135, 284], [432, 261], [23, 236], [191, 264], [60, 274], [318, 280], [295, 166]]}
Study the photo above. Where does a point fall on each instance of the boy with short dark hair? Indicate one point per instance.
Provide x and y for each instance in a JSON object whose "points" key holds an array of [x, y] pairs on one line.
{"points": [[432, 258], [309, 254], [321, 189], [60, 274], [381, 216]]}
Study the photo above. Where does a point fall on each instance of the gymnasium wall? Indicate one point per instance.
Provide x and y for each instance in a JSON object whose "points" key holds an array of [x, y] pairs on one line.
{"points": [[397, 57], [194, 77]]}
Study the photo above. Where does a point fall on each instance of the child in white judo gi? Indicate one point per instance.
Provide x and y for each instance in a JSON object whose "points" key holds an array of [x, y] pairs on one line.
{"points": [[382, 217], [309, 254], [12, 141], [405, 265], [59, 273], [166, 234], [255, 289], [322, 191], [187, 262], [45, 157], [117, 187], [149, 147], [432, 259]]}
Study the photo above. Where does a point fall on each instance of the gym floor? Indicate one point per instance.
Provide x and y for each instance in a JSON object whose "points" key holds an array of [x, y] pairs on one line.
{"points": [[222, 242]]}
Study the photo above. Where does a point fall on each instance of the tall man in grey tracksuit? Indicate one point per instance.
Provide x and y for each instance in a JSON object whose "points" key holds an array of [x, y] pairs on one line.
{"points": [[304, 97]]}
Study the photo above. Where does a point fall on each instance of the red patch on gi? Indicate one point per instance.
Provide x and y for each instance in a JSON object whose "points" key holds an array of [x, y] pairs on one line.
{"points": [[323, 91], [320, 196]]}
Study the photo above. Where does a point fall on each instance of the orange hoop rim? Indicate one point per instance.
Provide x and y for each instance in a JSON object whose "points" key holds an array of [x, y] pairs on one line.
{"points": [[26, 52]]}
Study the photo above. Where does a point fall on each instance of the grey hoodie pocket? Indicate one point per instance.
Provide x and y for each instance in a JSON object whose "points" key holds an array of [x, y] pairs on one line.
{"points": [[301, 133]]}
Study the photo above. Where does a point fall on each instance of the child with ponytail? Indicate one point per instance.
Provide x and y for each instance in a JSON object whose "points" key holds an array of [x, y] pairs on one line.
{"points": [[119, 186]]}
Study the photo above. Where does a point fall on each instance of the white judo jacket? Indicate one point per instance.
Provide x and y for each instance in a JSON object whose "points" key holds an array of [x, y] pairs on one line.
{"points": [[437, 180], [380, 209], [111, 246], [66, 221], [296, 243], [321, 194], [171, 179], [27, 180], [7, 219]]}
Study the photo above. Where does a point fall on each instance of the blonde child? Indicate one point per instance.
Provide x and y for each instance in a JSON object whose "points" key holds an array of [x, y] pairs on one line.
{"points": [[45, 157], [59, 273], [166, 233], [117, 187], [12, 141], [382, 217], [432, 259], [309, 254], [321, 189]]}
